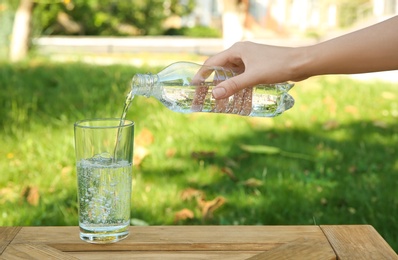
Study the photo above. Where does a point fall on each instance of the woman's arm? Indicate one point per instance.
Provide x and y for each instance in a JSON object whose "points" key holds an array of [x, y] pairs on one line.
{"points": [[371, 49], [374, 48]]}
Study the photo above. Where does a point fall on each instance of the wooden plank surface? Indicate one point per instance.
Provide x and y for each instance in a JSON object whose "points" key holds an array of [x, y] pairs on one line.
{"points": [[34, 251], [7, 234], [200, 242], [177, 238], [358, 242], [298, 249], [165, 255]]}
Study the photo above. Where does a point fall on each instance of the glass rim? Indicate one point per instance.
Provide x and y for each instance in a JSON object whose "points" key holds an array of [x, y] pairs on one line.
{"points": [[80, 123]]}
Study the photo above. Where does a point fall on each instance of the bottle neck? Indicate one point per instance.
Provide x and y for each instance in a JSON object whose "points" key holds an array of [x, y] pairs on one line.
{"points": [[143, 84]]}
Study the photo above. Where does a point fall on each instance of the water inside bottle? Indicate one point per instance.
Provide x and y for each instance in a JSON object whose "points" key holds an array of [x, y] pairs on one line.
{"points": [[261, 100]]}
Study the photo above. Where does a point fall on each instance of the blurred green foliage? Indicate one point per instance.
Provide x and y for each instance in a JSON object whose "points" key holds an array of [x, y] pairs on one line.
{"points": [[351, 11], [106, 17]]}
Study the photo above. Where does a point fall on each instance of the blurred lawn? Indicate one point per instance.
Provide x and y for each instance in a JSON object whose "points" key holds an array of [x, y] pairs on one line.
{"points": [[191, 169]]}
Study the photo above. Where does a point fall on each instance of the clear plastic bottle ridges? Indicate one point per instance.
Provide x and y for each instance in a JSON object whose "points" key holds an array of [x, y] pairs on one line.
{"points": [[186, 87]]}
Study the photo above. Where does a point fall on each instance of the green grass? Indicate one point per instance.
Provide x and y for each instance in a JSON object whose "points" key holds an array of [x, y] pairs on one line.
{"points": [[338, 163]]}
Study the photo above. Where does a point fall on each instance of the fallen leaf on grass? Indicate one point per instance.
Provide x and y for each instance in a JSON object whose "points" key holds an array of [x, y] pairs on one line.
{"points": [[208, 207], [190, 193], [183, 215], [230, 173], [31, 194]]}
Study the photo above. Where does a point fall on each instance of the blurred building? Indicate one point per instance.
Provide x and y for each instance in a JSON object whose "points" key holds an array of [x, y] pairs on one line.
{"points": [[286, 17], [382, 8]]}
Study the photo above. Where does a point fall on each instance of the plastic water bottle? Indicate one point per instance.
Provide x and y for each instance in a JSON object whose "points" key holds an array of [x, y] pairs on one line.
{"points": [[186, 87]]}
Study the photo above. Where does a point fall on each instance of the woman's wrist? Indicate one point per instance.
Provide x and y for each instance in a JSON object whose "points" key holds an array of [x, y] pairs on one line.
{"points": [[301, 63]]}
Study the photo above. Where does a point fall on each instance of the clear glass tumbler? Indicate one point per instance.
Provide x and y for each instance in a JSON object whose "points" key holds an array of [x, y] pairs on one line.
{"points": [[104, 157]]}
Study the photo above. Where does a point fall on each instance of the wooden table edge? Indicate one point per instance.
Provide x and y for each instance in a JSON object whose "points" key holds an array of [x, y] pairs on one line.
{"points": [[7, 235], [366, 244], [369, 243]]}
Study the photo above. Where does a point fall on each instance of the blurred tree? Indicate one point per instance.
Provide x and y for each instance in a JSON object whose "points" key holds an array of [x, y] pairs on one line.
{"points": [[21, 30], [107, 17], [89, 17]]}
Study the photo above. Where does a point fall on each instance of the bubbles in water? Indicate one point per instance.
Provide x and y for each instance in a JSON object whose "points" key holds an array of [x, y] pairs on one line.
{"points": [[104, 155], [104, 158]]}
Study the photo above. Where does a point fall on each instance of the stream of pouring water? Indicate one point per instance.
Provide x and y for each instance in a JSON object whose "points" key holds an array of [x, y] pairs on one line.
{"points": [[126, 107]]}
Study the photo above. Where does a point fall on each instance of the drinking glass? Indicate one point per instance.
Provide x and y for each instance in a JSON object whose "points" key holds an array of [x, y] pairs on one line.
{"points": [[104, 157]]}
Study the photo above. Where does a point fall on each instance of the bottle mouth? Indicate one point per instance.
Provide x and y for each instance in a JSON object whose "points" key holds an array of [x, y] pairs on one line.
{"points": [[142, 84]]}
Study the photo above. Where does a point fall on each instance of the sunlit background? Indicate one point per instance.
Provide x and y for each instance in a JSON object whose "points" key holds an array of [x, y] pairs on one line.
{"points": [[331, 159], [56, 27]]}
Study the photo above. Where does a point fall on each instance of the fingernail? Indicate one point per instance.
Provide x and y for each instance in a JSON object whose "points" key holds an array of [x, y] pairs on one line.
{"points": [[219, 92]]}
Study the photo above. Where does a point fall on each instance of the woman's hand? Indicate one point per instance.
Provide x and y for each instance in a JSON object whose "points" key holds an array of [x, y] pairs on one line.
{"points": [[255, 64]]}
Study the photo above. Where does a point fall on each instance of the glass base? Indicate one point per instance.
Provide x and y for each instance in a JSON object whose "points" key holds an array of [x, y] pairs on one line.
{"points": [[103, 237]]}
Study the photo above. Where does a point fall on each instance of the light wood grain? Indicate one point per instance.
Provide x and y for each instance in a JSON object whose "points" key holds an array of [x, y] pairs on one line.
{"points": [[166, 255], [7, 234], [34, 252], [299, 249], [358, 242], [200, 242], [177, 238]]}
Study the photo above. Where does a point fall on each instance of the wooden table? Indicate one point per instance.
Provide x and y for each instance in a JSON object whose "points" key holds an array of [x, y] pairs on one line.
{"points": [[200, 242]]}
